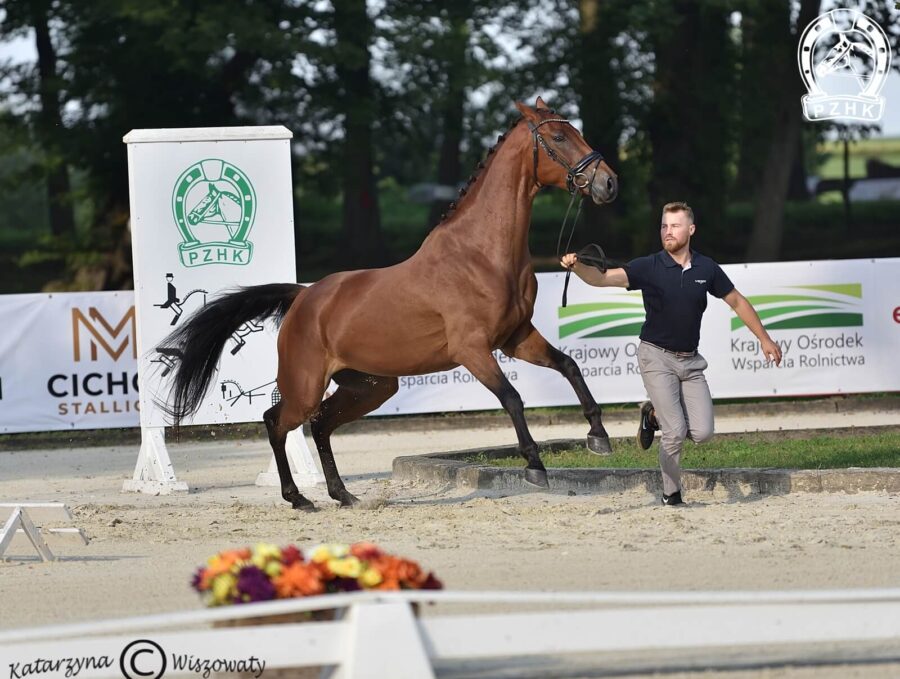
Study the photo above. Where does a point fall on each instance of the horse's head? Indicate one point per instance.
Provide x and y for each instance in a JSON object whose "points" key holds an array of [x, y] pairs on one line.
{"points": [[563, 158]]}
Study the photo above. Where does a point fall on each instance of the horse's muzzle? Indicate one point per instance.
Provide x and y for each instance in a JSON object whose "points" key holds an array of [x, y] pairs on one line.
{"points": [[604, 188]]}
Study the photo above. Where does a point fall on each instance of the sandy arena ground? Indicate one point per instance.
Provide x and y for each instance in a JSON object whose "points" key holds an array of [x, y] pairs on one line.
{"points": [[144, 549]]}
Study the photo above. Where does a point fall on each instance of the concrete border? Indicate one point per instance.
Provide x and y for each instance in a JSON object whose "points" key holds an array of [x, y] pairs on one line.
{"points": [[451, 470]]}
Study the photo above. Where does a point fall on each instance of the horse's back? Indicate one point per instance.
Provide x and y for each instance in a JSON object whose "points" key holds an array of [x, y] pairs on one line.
{"points": [[373, 320]]}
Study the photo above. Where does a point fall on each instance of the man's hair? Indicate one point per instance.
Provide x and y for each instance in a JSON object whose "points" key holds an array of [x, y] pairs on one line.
{"points": [[680, 206]]}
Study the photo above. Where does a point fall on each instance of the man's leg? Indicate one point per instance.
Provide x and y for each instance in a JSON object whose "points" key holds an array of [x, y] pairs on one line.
{"points": [[663, 384], [698, 406]]}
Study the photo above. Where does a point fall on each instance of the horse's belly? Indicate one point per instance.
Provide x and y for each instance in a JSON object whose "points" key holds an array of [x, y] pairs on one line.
{"points": [[395, 349]]}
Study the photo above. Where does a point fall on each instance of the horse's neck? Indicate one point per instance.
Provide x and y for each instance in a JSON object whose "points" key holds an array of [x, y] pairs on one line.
{"points": [[494, 216]]}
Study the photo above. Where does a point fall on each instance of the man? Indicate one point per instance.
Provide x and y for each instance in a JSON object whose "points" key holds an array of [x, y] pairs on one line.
{"points": [[674, 283]]}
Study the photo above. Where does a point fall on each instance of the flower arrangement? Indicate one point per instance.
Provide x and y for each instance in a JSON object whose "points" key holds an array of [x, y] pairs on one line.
{"points": [[265, 572]]}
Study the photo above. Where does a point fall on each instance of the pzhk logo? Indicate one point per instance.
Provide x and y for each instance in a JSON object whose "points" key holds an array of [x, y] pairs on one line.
{"points": [[844, 58], [99, 330], [214, 206]]}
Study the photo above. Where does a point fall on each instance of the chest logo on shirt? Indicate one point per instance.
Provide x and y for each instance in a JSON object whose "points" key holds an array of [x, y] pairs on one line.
{"points": [[701, 281]]}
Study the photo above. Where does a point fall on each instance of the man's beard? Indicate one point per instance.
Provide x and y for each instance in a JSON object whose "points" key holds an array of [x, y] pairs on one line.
{"points": [[673, 245]]}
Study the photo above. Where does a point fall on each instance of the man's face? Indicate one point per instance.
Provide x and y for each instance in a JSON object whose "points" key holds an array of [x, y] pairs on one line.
{"points": [[675, 231]]}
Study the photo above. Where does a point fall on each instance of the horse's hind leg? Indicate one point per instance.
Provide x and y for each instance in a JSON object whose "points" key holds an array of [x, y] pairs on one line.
{"points": [[278, 427], [358, 393], [529, 345]]}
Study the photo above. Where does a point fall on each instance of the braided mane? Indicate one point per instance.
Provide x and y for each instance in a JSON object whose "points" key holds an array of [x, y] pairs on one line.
{"points": [[479, 167]]}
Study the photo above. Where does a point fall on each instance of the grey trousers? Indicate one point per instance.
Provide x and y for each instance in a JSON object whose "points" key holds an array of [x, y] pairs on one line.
{"points": [[680, 395]]}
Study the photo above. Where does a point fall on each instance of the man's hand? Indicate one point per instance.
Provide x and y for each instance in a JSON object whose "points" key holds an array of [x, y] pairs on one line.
{"points": [[771, 351], [569, 260]]}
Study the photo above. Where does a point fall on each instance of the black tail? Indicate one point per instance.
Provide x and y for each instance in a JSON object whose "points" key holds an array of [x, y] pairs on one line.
{"points": [[198, 343]]}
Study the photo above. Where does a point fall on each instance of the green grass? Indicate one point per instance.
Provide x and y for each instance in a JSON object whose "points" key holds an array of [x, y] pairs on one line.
{"points": [[782, 450], [832, 167]]}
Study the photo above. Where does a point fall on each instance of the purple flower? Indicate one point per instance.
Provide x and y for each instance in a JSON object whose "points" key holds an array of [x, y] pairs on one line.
{"points": [[254, 585], [198, 577], [344, 585]]}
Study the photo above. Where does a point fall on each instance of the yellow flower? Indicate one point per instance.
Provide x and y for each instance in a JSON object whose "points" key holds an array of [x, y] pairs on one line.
{"points": [[263, 553], [370, 578], [222, 588], [272, 569], [326, 552], [350, 567]]}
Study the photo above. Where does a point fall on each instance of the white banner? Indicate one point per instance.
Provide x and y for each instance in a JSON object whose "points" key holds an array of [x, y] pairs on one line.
{"points": [[67, 360], [837, 321], [211, 209]]}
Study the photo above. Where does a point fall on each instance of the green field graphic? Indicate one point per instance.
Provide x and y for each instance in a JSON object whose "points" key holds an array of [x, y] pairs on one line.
{"points": [[819, 306], [601, 319]]}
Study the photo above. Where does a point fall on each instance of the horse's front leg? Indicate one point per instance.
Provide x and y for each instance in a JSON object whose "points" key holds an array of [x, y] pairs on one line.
{"points": [[482, 364], [529, 345]]}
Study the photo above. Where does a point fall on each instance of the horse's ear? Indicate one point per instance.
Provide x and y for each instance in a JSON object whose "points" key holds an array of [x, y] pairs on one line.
{"points": [[528, 112], [540, 104]]}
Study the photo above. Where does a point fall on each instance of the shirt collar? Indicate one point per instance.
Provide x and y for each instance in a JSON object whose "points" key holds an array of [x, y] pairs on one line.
{"points": [[669, 262]]}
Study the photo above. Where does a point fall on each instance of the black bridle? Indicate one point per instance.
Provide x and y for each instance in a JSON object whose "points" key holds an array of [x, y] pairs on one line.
{"points": [[576, 179], [573, 173]]}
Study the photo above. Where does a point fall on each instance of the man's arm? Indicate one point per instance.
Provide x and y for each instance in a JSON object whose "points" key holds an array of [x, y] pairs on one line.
{"points": [[613, 278], [747, 313]]}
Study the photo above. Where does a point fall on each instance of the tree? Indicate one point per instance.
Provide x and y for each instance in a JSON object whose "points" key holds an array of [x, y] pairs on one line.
{"points": [[690, 120], [46, 123], [786, 90], [599, 79], [134, 66], [446, 52], [356, 103]]}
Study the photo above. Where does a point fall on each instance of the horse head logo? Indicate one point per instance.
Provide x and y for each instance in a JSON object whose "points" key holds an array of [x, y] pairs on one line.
{"points": [[844, 59], [214, 205]]}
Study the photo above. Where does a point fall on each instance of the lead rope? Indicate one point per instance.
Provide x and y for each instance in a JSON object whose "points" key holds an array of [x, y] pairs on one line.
{"points": [[565, 294]]}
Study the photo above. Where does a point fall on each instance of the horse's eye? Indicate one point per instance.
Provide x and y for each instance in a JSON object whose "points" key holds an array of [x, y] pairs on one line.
{"points": [[559, 137]]}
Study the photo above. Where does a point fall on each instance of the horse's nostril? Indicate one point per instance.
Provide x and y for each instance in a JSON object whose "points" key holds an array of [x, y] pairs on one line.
{"points": [[610, 184]]}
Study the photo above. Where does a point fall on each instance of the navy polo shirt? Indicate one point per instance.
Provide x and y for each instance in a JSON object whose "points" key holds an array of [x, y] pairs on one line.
{"points": [[675, 298]]}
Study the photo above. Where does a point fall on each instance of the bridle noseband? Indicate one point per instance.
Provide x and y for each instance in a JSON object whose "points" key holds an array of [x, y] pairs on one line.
{"points": [[575, 176]]}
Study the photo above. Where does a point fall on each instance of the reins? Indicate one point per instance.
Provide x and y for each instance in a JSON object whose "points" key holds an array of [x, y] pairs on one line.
{"points": [[573, 174]]}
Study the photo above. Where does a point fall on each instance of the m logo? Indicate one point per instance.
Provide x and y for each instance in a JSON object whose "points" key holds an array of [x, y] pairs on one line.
{"points": [[98, 331], [214, 206], [844, 59]]}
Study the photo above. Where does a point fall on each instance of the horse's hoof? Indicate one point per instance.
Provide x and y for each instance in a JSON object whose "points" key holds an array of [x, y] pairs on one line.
{"points": [[599, 445], [536, 477], [302, 503], [347, 499]]}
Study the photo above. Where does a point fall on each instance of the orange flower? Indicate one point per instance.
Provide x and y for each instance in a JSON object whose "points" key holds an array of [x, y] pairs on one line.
{"points": [[409, 573], [365, 551], [389, 584], [222, 563], [298, 579]]}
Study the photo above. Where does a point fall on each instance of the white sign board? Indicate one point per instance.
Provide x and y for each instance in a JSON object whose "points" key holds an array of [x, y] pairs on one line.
{"points": [[68, 361], [211, 209]]}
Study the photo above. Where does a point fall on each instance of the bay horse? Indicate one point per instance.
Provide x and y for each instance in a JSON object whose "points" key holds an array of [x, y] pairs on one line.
{"points": [[468, 290]]}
